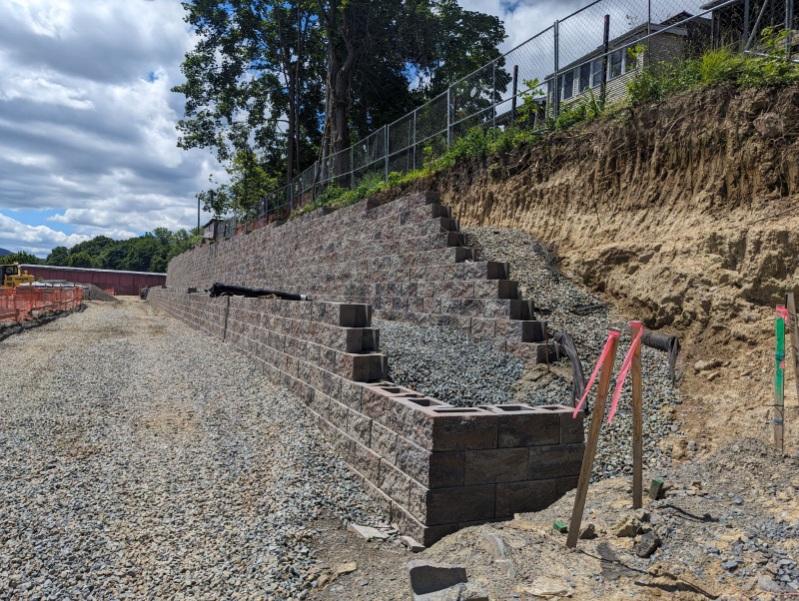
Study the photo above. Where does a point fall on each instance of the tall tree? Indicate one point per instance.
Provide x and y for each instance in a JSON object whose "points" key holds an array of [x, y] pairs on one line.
{"points": [[284, 82], [253, 82]]}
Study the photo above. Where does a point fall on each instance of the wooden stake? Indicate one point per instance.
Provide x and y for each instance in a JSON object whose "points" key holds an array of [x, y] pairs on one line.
{"points": [[638, 432], [598, 415]]}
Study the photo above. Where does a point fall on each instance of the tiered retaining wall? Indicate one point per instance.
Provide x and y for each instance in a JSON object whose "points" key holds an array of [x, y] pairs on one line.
{"points": [[436, 467], [405, 258]]}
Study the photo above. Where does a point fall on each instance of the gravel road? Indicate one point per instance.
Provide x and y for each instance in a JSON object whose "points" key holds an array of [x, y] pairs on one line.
{"points": [[140, 459]]}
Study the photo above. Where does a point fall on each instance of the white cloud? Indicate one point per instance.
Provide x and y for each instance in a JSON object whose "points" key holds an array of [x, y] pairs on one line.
{"points": [[38, 239], [87, 119]]}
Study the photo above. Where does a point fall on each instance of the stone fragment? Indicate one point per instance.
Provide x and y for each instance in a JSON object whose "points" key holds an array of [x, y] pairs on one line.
{"points": [[705, 365], [730, 565], [345, 568], [647, 545], [427, 577], [411, 544], [767, 584], [588, 533], [546, 588], [627, 528], [367, 532]]}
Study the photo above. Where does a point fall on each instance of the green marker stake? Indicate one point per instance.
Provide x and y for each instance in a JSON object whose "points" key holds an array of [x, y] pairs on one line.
{"points": [[779, 381]]}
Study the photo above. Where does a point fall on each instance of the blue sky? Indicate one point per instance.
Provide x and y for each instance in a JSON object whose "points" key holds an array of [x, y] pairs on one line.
{"points": [[87, 119]]}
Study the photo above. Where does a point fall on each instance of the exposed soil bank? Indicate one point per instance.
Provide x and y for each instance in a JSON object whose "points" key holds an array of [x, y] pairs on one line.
{"points": [[681, 213]]}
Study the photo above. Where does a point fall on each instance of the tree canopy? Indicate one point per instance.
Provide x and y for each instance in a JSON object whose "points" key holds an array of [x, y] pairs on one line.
{"points": [[272, 86], [150, 252]]}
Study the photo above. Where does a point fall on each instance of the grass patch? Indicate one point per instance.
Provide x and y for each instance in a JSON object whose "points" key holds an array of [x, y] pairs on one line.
{"points": [[717, 67]]}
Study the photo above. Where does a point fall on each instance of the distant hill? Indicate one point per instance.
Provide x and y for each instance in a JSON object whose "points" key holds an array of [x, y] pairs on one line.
{"points": [[4, 252]]}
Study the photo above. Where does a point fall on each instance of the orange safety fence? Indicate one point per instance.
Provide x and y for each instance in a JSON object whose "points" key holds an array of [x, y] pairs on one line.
{"points": [[27, 302]]}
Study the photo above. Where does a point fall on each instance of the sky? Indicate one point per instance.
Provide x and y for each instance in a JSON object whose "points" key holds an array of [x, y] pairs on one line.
{"points": [[87, 119]]}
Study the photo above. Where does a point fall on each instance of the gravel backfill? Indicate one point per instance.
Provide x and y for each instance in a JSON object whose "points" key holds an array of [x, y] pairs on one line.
{"points": [[140, 459], [447, 364]]}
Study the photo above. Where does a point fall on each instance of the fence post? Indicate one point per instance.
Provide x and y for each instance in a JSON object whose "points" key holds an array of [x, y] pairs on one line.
{"points": [[385, 150], [449, 116], [745, 28], [788, 27], [494, 94], [603, 93], [515, 91], [413, 138], [556, 87], [352, 166]]}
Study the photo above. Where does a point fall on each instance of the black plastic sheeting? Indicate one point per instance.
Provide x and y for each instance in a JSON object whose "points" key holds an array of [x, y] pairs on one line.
{"points": [[666, 343], [219, 289]]}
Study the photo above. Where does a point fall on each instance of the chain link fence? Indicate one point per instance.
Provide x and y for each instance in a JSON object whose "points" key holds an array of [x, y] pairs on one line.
{"points": [[589, 55]]}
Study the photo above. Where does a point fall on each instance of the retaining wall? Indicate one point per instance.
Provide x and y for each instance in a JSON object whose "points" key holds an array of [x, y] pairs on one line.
{"points": [[405, 258], [436, 467]]}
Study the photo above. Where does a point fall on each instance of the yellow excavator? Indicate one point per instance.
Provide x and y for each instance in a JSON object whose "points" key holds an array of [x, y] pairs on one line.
{"points": [[12, 276]]}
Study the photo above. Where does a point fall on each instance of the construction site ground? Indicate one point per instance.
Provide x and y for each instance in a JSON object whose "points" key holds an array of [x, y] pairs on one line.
{"points": [[146, 460]]}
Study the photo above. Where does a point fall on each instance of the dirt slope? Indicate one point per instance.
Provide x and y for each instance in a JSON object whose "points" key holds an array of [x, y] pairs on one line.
{"points": [[683, 214]]}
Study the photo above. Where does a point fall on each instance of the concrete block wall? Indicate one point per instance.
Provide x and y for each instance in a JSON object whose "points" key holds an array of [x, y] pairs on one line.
{"points": [[406, 258], [435, 467]]}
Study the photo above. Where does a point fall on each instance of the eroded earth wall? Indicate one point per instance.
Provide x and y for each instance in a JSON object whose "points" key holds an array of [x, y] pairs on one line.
{"points": [[684, 214]]}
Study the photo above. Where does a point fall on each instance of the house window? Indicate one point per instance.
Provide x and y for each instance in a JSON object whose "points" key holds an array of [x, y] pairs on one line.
{"points": [[596, 72], [585, 77], [616, 66], [567, 85]]}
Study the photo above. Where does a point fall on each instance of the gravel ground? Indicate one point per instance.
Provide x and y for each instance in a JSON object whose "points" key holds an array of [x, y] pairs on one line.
{"points": [[447, 364], [139, 459]]}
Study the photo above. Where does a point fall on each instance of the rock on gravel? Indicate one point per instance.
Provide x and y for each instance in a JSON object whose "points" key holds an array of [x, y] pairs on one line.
{"points": [[141, 459]]}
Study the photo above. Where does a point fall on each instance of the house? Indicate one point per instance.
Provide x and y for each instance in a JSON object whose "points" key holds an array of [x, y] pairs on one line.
{"points": [[733, 24], [672, 39]]}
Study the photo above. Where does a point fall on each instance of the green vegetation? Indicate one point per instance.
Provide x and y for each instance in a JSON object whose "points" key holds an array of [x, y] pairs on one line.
{"points": [[653, 84], [475, 143], [19, 257], [717, 67], [150, 252]]}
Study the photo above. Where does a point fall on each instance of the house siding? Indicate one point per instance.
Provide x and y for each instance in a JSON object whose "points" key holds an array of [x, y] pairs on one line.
{"points": [[662, 47]]}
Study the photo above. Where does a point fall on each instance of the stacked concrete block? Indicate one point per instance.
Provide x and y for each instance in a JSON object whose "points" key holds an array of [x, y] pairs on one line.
{"points": [[405, 258], [436, 467]]}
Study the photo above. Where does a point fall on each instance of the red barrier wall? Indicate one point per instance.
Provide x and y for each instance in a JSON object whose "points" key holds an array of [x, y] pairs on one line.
{"points": [[26, 302], [120, 282]]}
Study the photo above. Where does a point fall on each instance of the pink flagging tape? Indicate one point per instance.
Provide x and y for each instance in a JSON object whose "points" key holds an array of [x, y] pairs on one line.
{"points": [[603, 356], [782, 311], [626, 366]]}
